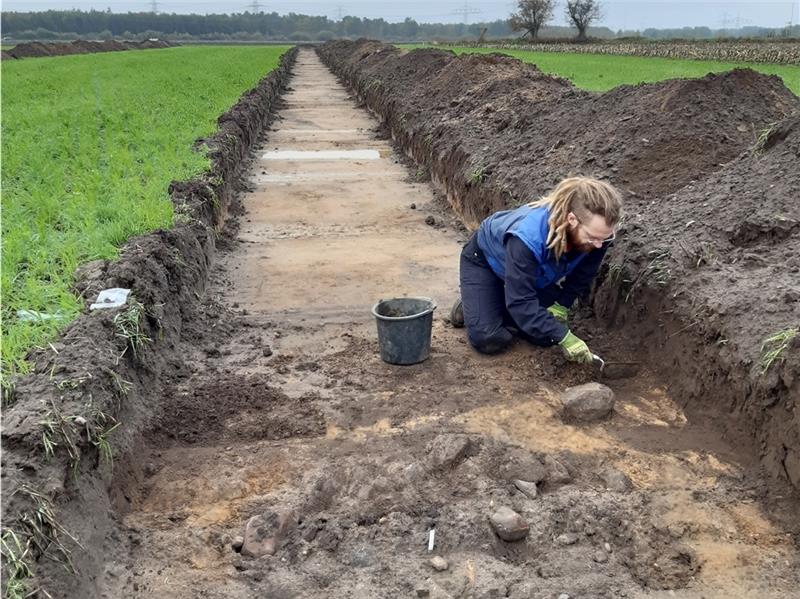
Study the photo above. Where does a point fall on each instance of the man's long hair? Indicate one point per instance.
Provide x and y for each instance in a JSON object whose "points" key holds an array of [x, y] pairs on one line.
{"points": [[582, 196]]}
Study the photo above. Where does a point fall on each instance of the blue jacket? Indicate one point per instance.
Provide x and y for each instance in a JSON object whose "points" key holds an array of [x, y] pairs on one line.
{"points": [[514, 243]]}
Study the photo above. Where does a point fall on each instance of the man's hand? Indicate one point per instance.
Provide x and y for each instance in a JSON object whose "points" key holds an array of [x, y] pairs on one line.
{"points": [[575, 349], [559, 312]]}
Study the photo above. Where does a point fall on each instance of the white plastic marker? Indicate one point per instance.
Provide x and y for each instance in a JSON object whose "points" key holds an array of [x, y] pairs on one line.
{"points": [[322, 155], [431, 537], [111, 298]]}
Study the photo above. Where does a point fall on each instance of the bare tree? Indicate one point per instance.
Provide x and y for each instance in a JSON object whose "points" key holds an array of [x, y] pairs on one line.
{"points": [[532, 14], [582, 13]]}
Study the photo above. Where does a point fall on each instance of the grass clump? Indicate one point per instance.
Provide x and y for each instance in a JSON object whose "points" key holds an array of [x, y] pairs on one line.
{"points": [[90, 144], [774, 347]]}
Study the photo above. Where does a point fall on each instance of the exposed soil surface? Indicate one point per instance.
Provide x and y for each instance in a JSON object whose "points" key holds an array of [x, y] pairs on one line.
{"points": [[39, 49], [705, 268], [284, 411]]}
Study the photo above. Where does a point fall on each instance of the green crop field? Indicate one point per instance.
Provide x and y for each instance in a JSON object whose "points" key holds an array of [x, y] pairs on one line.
{"points": [[90, 144], [597, 72]]}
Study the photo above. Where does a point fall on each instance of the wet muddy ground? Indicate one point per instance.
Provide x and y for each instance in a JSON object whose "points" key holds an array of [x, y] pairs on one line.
{"points": [[286, 412]]}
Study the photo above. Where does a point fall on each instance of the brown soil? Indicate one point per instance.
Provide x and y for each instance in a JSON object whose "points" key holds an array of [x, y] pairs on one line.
{"points": [[495, 132], [39, 49]]}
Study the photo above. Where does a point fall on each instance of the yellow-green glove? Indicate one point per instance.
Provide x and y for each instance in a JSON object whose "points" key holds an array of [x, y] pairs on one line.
{"points": [[559, 312], [575, 349]]}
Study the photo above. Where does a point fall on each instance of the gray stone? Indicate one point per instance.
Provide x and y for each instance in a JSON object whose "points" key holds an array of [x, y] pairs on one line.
{"points": [[564, 596], [447, 451], [567, 538], [520, 464], [439, 563], [429, 220], [237, 543], [557, 473], [616, 481], [363, 556], [509, 525], [263, 534], [601, 557], [526, 488], [591, 402]]}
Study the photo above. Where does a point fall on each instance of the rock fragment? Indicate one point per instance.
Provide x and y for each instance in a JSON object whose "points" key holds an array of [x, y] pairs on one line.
{"points": [[526, 488], [263, 534], [567, 538], [447, 451], [557, 473], [509, 525], [591, 402], [439, 563]]}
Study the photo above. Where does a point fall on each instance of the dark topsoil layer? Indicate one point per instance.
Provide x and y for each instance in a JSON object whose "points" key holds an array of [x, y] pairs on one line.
{"points": [[92, 378], [706, 266], [38, 49]]}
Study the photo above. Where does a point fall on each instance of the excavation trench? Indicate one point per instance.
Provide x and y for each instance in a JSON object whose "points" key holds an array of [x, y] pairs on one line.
{"points": [[284, 408]]}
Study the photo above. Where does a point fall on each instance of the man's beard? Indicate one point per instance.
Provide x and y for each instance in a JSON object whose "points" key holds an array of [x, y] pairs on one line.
{"points": [[575, 243]]}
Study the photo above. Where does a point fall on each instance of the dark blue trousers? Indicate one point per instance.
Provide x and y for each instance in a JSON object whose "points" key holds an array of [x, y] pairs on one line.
{"points": [[490, 328]]}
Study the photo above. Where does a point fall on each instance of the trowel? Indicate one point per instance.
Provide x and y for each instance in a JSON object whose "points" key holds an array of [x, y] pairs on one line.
{"points": [[615, 370]]}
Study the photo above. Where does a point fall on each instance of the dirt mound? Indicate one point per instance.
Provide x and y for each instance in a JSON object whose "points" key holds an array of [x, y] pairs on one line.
{"points": [[31, 49], [499, 124], [97, 380], [728, 249], [39, 49], [708, 181]]}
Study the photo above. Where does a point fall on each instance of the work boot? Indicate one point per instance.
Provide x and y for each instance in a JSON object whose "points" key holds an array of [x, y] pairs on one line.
{"points": [[457, 314]]}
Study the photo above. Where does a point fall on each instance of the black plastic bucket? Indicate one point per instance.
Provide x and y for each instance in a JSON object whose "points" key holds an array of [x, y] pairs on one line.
{"points": [[404, 329]]}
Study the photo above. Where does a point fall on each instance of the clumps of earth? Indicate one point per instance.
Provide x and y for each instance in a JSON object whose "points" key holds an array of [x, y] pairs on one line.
{"points": [[455, 514]]}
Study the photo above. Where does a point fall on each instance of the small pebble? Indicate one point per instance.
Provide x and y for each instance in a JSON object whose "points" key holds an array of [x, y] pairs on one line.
{"points": [[439, 564], [413, 206], [568, 538], [429, 220], [607, 547], [600, 557]]}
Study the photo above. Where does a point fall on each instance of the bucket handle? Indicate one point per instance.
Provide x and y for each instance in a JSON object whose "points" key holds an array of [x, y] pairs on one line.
{"points": [[430, 309]]}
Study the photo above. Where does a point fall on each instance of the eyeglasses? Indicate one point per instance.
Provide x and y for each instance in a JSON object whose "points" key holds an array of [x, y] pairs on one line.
{"points": [[593, 239]]}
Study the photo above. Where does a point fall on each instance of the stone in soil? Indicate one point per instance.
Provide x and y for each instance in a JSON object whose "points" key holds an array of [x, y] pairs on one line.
{"points": [[263, 534], [447, 451], [600, 556], [439, 563], [616, 481], [557, 473], [526, 488], [567, 538], [520, 464], [591, 402], [509, 525]]}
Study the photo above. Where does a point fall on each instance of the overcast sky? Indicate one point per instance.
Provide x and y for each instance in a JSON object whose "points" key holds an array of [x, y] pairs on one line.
{"points": [[617, 14]]}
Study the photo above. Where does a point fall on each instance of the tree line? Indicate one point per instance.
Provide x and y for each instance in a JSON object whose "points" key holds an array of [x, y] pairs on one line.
{"points": [[69, 24]]}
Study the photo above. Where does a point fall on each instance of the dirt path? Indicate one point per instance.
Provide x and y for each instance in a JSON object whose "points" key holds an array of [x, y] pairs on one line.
{"points": [[288, 409]]}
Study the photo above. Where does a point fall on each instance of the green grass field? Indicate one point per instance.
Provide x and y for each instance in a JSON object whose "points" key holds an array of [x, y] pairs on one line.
{"points": [[89, 145], [599, 72]]}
